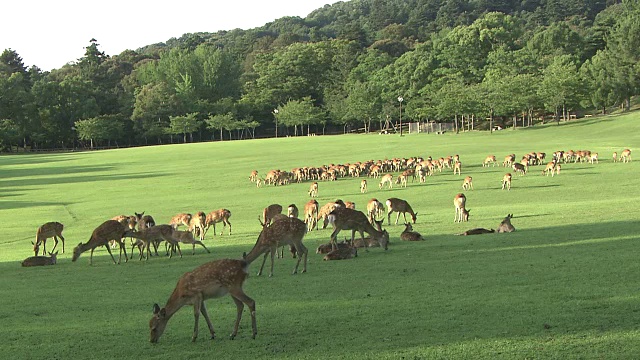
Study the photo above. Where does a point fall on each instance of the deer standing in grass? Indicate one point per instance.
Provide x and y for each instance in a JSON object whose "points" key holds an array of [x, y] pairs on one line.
{"points": [[491, 159], [180, 219], [615, 156], [550, 168], [519, 168], [145, 221], [127, 222], [506, 181], [216, 216], [386, 179], [363, 186], [253, 177], [456, 167], [354, 220], [108, 230], [374, 209], [324, 212], [401, 207], [509, 160], [467, 183], [197, 224], [211, 280], [462, 214], [505, 226], [284, 231], [311, 214], [41, 260], [155, 235], [292, 211], [313, 190], [48, 230], [186, 237], [625, 155], [269, 212]]}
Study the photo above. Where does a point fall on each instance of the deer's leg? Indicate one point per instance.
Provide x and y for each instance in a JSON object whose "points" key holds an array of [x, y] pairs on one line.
{"points": [[109, 250], [123, 248], [239, 297], [366, 246], [62, 238], [398, 217], [179, 251], [334, 238], [228, 223], [301, 250], [405, 217], [203, 311], [55, 244], [197, 305], [91, 257], [272, 258], [201, 244], [264, 260]]}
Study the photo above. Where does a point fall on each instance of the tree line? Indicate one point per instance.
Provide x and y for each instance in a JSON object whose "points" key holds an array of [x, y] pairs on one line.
{"points": [[344, 66]]}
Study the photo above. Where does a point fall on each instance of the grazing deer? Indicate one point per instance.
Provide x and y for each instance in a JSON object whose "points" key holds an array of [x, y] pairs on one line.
{"points": [[313, 190], [409, 235], [477, 231], [593, 157], [342, 254], [363, 186], [354, 220], [285, 231], [108, 230], [197, 224], [311, 214], [155, 235], [216, 216], [456, 167], [145, 221], [386, 179], [467, 183], [506, 181], [254, 176], [40, 260], [462, 214], [292, 211], [180, 219], [519, 168], [325, 210], [402, 180], [491, 159], [509, 160], [186, 237], [625, 155], [211, 280], [269, 212], [615, 156], [374, 209], [48, 230], [549, 169], [505, 226], [399, 206], [260, 182]]}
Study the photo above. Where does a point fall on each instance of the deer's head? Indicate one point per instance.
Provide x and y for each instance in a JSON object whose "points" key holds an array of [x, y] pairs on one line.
{"points": [[76, 252], [54, 257], [139, 216], [36, 248], [384, 240], [157, 324], [414, 217]]}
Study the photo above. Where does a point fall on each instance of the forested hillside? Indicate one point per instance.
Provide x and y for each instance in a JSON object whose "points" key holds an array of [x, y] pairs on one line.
{"points": [[350, 65]]}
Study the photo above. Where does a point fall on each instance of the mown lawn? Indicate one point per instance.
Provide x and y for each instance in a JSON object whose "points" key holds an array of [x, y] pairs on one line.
{"points": [[565, 285]]}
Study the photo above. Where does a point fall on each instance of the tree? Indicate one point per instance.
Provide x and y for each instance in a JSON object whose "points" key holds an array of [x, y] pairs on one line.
{"points": [[184, 124], [559, 85], [299, 112], [100, 128], [220, 122], [154, 104]]}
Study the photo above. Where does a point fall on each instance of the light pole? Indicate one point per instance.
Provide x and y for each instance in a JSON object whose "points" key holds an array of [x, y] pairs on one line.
{"points": [[400, 99], [275, 115]]}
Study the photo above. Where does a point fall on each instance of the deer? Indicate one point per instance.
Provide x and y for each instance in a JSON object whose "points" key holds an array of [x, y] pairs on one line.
{"points": [[51, 229], [127, 222], [197, 224], [40, 260], [292, 211], [285, 231], [593, 157], [519, 168], [462, 214], [269, 212], [180, 219], [211, 280], [550, 168], [374, 209], [354, 220], [325, 210], [506, 181], [108, 230], [456, 167], [505, 226], [625, 155], [399, 206], [186, 237], [216, 216], [409, 235], [615, 156], [363, 186], [144, 221], [477, 231], [328, 247], [253, 177], [402, 180], [313, 190], [311, 214], [341, 254], [491, 159], [509, 160], [350, 205], [467, 183], [386, 179], [155, 235]]}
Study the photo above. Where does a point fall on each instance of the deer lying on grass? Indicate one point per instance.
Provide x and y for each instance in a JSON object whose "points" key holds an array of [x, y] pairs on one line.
{"points": [[313, 190], [108, 230], [506, 181], [342, 254], [211, 280], [155, 235], [491, 159], [48, 230], [311, 214], [285, 231], [269, 212], [386, 179], [467, 183], [40, 260], [216, 216], [401, 207], [363, 186], [180, 219], [462, 214], [409, 235], [326, 248], [477, 231], [354, 220], [505, 226]]}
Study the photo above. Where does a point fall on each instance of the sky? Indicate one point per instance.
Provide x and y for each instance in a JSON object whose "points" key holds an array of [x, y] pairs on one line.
{"points": [[51, 33]]}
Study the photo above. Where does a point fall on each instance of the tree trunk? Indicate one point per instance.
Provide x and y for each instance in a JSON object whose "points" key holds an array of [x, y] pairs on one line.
{"points": [[455, 118], [490, 121]]}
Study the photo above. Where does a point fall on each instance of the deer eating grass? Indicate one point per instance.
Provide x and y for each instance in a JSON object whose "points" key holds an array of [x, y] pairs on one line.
{"points": [[48, 230], [354, 220], [108, 230], [41, 260], [155, 235], [505, 226], [401, 207], [197, 224], [625, 155], [216, 216], [374, 209], [180, 219], [211, 280], [462, 214], [467, 183], [386, 179], [269, 212], [491, 159]]}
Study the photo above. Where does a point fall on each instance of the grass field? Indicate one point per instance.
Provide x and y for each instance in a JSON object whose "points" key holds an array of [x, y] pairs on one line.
{"points": [[565, 285]]}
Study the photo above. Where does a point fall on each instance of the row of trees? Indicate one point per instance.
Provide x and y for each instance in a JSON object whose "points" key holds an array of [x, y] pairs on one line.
{"points": [[343, 66]]}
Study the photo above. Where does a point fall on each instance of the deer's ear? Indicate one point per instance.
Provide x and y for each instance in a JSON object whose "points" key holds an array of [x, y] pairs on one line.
{"points": [[32, 243], [156, 309]]}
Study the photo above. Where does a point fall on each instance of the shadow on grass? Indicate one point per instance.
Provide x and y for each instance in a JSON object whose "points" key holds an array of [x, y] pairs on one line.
{"points": [[47, 181]]}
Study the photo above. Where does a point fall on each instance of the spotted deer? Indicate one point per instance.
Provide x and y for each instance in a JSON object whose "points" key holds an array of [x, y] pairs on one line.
{"points": [[269, 212], [45, 231], [186, 237], [154, 236], [40, 260], [108, 230], [374, 209], [625, 155], [363, 186], [409, 235], [462, 214], [506, 181], [341, 254], [292, 211], [285, 231], [354, 220], [311, 214], [505, 226], [180, 219], [313, 190], [386, 179], [197, 224], [491, 159], [325, 210], [211, 280], [127, 222], [401, 207], [467, 183], [217, 216]]}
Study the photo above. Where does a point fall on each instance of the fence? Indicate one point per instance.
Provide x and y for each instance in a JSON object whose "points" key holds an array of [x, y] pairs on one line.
{"points": [[430, 127]]}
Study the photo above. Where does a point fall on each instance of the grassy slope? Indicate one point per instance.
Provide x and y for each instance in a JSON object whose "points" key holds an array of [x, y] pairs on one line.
{"points": [[565, 285]]}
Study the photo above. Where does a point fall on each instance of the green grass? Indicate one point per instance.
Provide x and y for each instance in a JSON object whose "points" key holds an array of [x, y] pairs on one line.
{"points": [[564, 285]]}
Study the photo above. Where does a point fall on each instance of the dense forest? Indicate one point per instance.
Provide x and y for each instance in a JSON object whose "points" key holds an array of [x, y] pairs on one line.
{"points": [[347, 66]]}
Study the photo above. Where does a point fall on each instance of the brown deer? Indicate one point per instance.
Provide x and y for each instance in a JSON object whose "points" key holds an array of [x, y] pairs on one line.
{"points": [[292, 211], [313, 190], [269, 212], [462, 214], [41, 260], [374, 209], [341, 254], [363, 186], [145, 221], [519, 168], [186, 237], [550, 168], [324, 212], [506, 181], [409, 235], [467, 183], [491, 159], [127, 222], [509, 160], [180, 219], [354, 220], [254, 176], [211, 280], [505, 226], [328, 247], [48, 230], [285, 231], [311, 214], [350, 205], [197, 224], [108, 230], [401, 207], [625, 155], [402, 180], [155, 235], [477, 231], [456, 167], [615, 156], [386, 179], [593, 157], [216, 216]]}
